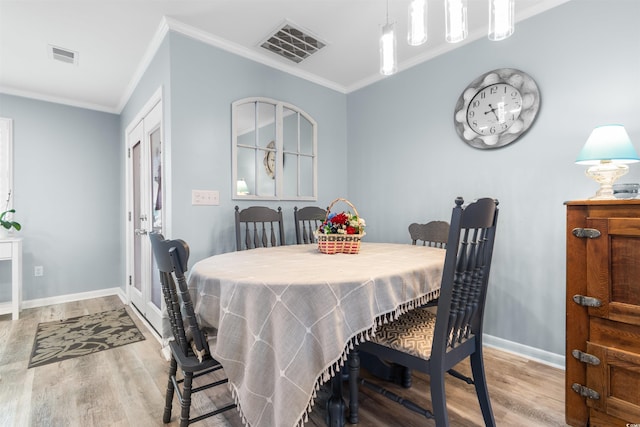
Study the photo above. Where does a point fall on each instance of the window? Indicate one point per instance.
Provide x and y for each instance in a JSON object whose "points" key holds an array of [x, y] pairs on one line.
{"points": [[6, 162], [274, 151]]}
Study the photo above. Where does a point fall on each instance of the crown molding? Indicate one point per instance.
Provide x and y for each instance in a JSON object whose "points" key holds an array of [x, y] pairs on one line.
{"points": [[57, 100]]}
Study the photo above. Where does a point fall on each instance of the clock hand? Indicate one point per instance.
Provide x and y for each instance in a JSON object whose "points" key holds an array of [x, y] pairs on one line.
{"points": [[493, 110]]}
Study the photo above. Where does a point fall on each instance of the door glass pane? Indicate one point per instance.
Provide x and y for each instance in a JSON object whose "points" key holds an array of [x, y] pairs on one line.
{"points": [[137, 273], [155, 148]]}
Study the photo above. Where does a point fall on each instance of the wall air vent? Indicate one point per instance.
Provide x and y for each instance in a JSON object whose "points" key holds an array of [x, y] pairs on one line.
{"points": [[292, 43], [63, 55]]}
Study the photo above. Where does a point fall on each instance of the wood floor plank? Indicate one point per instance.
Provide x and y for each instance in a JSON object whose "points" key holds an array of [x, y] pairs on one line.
{"points": [[126, 386]]}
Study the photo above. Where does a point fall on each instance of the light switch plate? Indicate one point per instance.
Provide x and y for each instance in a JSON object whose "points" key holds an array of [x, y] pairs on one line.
{"points": [[205, 197]]}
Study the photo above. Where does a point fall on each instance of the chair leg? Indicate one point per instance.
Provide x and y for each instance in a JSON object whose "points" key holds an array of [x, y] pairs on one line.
{"points": [[170, 390], [438, 398], [186, 399], [480, 381]]}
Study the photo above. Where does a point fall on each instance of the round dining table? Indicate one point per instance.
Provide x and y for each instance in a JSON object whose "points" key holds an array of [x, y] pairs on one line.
{"points": [[287, 317]]}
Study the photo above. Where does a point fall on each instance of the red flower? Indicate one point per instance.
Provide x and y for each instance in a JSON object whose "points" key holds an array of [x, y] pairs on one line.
{"points": [[340, 218], [351, 230]]}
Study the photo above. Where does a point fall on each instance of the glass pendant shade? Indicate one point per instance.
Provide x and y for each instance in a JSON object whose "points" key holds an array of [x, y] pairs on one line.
{"points": [[417, 33], [501, 19], [388, 62], [455, 12]]}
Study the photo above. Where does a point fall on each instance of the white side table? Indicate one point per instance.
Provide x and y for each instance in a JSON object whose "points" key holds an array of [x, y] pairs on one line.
{"points": [[11, 249]]}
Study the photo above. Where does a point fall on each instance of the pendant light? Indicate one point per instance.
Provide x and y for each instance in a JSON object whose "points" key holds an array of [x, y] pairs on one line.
{"points": [[388, 61], [501, 18], [455, 12], [417, 33]]}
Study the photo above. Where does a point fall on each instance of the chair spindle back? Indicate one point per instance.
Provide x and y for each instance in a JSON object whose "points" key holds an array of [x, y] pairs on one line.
{"points": [[171, 258], [466, 271], [307, 220], [261, 227]]}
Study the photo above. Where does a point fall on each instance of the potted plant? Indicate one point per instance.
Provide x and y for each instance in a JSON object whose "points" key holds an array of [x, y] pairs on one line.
{"points": [[8, 224]]}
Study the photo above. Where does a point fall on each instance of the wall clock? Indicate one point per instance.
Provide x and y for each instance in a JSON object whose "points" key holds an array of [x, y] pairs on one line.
{"points": [[496, 108], [270, 160]]}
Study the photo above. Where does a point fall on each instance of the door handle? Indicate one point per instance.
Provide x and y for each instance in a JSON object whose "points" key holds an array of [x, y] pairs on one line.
{"points": [[141, 231], [587, 301]]}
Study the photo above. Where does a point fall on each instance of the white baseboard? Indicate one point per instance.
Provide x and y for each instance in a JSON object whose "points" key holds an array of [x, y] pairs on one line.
{"points": [[41, 302], [531, 353]]}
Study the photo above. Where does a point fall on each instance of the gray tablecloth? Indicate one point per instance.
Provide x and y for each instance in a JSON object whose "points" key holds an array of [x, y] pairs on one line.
{"points": [[288, 316]]}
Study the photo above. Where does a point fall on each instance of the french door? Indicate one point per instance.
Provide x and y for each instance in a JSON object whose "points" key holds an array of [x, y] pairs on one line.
{"points": [[145, 212]]}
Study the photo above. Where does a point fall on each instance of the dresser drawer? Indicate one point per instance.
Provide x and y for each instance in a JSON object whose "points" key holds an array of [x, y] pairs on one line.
{"points": [[5, 250]]}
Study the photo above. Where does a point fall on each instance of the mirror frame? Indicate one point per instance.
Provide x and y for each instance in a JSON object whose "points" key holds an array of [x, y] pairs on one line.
{"points": [[278, 150], [6, 163]]}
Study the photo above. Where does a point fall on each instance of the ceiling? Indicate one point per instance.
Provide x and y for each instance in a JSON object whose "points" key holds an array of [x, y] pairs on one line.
{"points": [[115, 39]]}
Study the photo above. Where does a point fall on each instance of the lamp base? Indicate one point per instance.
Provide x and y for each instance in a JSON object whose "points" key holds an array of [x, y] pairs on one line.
{"points": [[605, 174]]}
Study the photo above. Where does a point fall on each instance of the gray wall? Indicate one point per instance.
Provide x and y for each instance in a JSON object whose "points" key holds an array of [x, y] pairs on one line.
{"points": [[202, 90], [66, 171], [585, 57]]}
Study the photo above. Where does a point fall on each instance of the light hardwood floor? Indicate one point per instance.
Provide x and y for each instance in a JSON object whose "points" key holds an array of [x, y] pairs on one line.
{"points": [[125, 386]]}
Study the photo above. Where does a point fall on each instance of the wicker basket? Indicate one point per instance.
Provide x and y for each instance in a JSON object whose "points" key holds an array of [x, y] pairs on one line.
{"points": [[339, 243]]}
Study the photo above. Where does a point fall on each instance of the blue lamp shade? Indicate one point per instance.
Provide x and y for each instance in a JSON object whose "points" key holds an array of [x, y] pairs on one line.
{"points": [[609, 143]]}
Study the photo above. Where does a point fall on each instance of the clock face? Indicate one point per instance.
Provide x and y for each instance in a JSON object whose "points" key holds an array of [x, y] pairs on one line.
{"points": [[496, 108]]}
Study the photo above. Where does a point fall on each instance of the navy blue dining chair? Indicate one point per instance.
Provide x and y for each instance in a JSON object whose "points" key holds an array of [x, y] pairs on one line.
{"points": [[190, 348], [435, 343]]}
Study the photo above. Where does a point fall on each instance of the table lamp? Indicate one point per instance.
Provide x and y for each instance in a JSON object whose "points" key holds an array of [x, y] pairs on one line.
{"points": [[607, 150], [242, 188]]}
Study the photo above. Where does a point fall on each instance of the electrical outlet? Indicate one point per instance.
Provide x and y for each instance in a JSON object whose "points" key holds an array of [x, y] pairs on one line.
{"points": [[38, 271], [205, 197]]}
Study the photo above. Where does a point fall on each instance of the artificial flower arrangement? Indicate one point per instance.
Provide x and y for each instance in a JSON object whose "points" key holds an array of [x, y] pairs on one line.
{"points": [[342, 223], [340, 232]]}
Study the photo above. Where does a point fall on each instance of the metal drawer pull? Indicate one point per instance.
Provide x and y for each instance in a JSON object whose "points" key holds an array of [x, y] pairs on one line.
{"points": [[587, 301], [585, 357], [585, 391], [588, 233]]}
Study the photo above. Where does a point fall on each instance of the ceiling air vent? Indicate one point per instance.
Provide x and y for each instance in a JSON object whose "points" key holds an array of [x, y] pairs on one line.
{"points": [[292, 43], [63, 55]]}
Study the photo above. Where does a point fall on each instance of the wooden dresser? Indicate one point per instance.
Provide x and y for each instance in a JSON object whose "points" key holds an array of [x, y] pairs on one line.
{"points": [[603, 313]]}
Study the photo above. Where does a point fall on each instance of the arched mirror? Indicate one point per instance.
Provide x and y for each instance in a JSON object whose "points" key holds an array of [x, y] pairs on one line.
{"points": [[274, 151]]}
